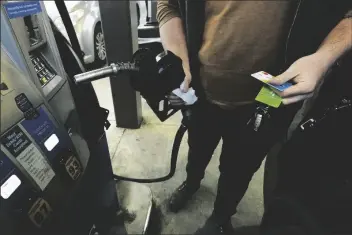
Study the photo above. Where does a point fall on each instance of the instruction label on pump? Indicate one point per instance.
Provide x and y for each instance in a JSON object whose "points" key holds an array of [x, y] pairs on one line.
{"points": [[22, 9], [29, 156], [36, 165], [10, 177]]}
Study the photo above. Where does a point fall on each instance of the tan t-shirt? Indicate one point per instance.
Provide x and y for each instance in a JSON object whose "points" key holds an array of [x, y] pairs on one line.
{"points": [[240, 38]]}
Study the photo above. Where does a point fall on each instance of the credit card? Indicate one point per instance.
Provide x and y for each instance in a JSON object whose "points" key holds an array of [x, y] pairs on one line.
{"points": [[265, 77], [269, 97]]}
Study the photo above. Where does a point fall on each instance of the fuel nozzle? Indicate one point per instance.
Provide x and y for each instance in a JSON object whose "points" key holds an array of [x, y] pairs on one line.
{"points": [[154, 76], [110, 70], [142, 67]]}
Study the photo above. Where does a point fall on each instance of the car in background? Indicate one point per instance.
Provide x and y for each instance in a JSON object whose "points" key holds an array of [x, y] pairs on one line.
{"points": [[85, 16]]}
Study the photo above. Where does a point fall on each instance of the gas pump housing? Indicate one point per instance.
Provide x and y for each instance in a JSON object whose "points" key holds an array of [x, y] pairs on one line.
{"points": [[51, 177]]}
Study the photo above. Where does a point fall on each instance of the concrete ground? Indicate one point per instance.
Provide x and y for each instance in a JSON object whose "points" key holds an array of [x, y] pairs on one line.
{"points": [[145, 152]]}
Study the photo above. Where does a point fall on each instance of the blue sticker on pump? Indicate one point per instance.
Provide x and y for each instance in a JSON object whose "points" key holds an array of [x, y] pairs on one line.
{"points": [[22, 9], [6, 167], [10, 180], [45, 134], [51, 139], [40, 128]]}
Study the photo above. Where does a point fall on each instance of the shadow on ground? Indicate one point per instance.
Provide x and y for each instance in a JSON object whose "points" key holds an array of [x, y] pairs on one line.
{"points": [[157, 217]]}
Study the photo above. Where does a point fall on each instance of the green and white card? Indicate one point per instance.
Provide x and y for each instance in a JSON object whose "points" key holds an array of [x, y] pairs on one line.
{"points": [[269, 97]]}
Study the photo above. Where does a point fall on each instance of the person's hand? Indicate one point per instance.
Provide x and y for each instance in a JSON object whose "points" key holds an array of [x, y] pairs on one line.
{"points": [[305, 74], [176, 101], [188, 76]]}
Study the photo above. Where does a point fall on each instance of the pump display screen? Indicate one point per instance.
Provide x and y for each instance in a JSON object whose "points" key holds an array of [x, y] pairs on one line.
{"points": [[44, 72]]}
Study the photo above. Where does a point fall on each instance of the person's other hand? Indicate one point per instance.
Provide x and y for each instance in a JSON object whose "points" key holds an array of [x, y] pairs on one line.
{"points": [[305, 74]]}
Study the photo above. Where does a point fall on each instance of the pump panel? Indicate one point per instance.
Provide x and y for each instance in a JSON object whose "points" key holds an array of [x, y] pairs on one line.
{"points": [[31, 28], [39, 165]]}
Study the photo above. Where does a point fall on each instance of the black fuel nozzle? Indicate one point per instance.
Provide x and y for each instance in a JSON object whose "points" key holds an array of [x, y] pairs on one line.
{"points": [[155, 76], [158, 75]]}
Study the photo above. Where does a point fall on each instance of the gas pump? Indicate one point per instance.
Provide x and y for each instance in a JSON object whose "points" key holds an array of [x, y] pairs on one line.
{"points": [[32, 31], [39, 165], [54, 179]]}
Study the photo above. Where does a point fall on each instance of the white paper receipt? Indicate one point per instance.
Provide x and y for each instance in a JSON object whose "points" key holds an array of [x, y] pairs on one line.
{"points": [[36, 165], [189, 97]]}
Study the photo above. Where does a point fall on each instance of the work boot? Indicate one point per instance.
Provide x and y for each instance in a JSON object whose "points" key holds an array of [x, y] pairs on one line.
{"points": [[213, 226], [181, 196]]}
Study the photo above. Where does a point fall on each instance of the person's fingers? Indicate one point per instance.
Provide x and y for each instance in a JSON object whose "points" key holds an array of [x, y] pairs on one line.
{"points": [[175, 100], [186, 83], [286, 76], [173, 97], [295, 99], [176, 104], [300, 88]]}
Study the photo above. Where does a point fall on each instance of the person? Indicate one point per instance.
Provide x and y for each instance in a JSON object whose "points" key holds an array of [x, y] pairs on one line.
{"points": [[221, 43], [313, 190]]}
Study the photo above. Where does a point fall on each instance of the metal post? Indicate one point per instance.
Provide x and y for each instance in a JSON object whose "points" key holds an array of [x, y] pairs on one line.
{"points": [[153, 5], [119, 24]]}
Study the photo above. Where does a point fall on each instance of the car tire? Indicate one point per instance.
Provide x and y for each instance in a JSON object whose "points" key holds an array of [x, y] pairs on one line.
{"points": [[99, 47]]}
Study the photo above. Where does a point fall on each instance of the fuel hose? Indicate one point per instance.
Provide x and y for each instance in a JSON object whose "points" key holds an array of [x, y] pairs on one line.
{"points": [[174, 155]]}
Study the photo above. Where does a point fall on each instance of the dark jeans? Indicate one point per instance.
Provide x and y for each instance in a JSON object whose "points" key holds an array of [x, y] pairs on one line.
{"points": [[243, 149]]}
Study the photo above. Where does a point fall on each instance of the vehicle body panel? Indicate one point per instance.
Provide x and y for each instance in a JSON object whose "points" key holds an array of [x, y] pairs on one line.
{"points": [[85, 16], [89, 17]]}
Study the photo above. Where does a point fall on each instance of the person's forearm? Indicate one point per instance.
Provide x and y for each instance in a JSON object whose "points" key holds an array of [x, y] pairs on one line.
{"points": [[337, 43], [173, 39]]}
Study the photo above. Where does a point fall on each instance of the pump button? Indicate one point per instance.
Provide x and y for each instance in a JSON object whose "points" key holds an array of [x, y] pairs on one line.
{"points": [[39, 212]]}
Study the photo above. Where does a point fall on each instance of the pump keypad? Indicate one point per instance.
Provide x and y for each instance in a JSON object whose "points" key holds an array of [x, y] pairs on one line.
{"points": [[44, 72]]}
